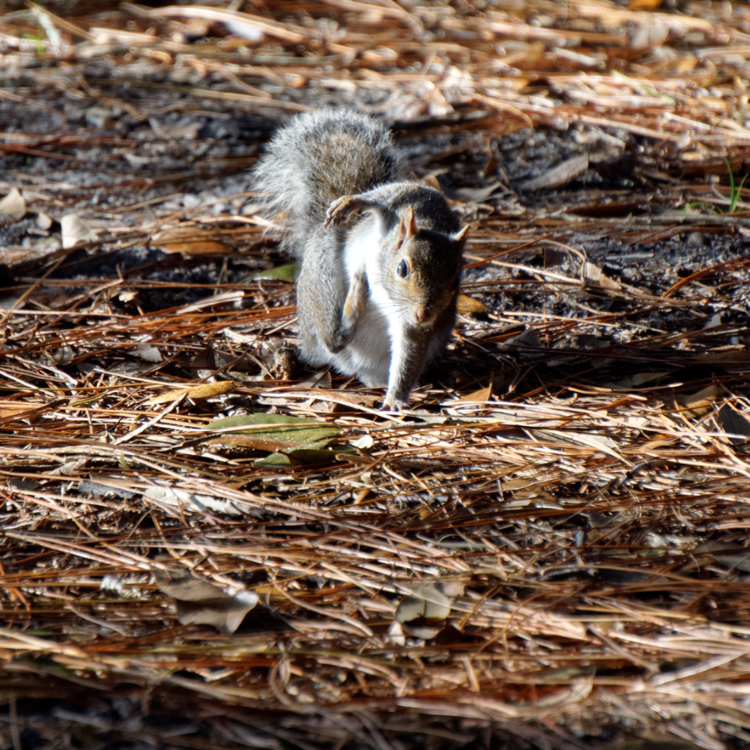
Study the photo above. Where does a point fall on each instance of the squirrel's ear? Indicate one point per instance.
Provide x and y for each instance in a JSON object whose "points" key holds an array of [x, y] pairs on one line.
{"points": [[459, 238], [408, 226]]}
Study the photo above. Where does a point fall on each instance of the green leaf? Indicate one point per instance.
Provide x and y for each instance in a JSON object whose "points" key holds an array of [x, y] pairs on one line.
{"points": [[280, 428], [297, 457], [281, 273]]}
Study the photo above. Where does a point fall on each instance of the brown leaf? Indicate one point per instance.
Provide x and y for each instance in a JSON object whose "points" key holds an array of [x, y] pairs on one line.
{"points": [[196, 392], [560, 175], [644, 4], [188, 240], [700, 402], [201, 602], [196, 247], [481, 396], [593, 276], [470, 306]]}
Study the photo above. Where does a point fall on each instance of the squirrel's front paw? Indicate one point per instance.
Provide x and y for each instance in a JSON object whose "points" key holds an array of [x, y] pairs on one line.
{"points": [[395, 403], [356, 301], [339, 210], [354, 306]]}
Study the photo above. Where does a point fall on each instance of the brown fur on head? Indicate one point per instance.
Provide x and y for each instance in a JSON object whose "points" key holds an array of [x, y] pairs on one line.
{"points": [[424, 270]]}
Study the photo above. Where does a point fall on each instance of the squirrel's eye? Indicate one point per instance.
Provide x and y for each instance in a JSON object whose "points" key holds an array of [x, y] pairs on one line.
{"points": [[403, 269]]}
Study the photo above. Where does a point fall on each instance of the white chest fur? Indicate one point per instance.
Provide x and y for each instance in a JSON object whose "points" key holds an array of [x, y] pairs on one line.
{"points": [[368, 355]]}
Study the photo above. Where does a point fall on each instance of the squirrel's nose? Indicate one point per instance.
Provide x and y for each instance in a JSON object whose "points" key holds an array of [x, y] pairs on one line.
{"points": [[424, 315]]}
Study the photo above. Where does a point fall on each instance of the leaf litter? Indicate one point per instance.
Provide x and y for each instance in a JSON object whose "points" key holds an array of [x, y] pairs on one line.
{"points": [[575, 473]]}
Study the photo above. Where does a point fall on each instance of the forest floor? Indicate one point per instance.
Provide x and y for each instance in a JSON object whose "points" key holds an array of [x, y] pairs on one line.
{"points": [[205, 544]]}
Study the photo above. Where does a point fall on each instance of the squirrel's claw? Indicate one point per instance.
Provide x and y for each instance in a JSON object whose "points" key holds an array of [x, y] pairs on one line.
{"points": [[393, 403], [339, 210]]}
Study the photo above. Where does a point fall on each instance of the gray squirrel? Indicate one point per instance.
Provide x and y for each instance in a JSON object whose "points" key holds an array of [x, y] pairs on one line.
{"points": [[376, 294]]}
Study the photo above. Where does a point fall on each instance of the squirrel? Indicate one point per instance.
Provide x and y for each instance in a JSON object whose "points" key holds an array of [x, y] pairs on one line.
{"points": [[376, 294]]}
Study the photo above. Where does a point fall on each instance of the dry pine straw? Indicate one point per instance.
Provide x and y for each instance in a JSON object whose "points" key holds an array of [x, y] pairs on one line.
{"points": [[591, 513]]}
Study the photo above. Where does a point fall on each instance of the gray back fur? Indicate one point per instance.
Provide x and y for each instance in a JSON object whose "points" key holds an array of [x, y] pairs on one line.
{"points": [[314, 159]]}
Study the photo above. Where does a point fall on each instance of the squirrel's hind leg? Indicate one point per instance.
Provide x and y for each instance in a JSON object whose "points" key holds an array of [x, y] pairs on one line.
{"points": [[321, 294]]}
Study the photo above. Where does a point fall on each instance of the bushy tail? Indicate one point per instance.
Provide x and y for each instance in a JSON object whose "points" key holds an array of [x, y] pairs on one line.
{"points": [[314, 159]]}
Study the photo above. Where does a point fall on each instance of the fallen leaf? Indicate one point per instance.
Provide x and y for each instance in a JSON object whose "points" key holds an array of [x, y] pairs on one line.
{"points": [[265, 444], [75, 230], [364, 442], [208, 360], [184, 500], [13, 206], [205, 390], [189, 240], [227, 298], [477, 195], [196, 247], [246, 30], [291, 441], [297, 457], [287, 272], [317, 380], [136, 161], [481, 396], [593, 276], [451, 589], [713, 322], [526, 344], [148, 353], [43, 221], [424, 611], [469, 306], [396, 634], [202, 603], [63, 354], [640, 378], [699, 403], [99, 117], [560, 175], [278, 427], [734, 423]]}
